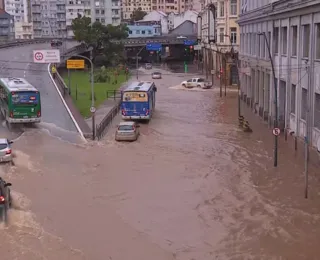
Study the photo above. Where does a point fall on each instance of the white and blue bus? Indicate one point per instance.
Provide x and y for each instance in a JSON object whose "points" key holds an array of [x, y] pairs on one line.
{"points": [[138, 100]]}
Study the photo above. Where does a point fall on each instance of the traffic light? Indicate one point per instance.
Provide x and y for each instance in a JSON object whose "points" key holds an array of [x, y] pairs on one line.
{"points": [[191, 48]]}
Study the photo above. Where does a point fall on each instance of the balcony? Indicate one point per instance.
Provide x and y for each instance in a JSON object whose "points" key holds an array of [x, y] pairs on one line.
{"points": [[116, 7], [61, 19], [115, 15], [36, 11], [61, 11]]}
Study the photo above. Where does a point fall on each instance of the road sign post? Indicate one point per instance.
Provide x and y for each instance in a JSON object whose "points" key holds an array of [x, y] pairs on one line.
{"points": [[185, 67], [46, 56]]}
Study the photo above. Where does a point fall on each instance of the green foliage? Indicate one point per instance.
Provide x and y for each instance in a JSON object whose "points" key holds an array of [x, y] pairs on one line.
{"points": [[100, 37], [102, 75], [138, 15]]}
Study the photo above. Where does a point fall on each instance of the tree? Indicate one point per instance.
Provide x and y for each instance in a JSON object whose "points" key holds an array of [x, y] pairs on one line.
{"points": [[138, 15], [101, 38]]}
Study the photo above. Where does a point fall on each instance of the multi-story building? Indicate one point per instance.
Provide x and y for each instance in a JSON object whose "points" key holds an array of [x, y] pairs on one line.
{"points": [[129, 6], [140, 30], [48, 18], [292, 30], [6, 26], [19, 10], [219, 35], [104, 11]]}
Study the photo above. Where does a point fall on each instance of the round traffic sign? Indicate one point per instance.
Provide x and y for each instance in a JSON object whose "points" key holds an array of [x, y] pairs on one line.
{"points": [[38, 56], [276, 131], [92, 109]]}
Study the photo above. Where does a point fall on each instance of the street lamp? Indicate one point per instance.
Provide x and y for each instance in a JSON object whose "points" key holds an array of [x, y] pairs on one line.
{"points": [[92, 109], [276, 123], [137, 62]]}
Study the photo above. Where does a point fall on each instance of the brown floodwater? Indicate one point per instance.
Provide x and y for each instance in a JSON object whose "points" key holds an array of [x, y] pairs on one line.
{"points": [[193, 187]]}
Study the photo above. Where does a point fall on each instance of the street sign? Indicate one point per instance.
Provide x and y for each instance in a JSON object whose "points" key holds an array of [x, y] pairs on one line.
{"points": [[92, 109], [46, 56], [154, 46], [197, 47], [189, 42], [276, 131], [212, 72], [75, 64]]}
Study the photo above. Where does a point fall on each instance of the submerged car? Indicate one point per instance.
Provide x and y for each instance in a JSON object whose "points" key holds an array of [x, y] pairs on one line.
{"points": [[127, 131], [156, 75], [148, 66], [5, 150], [5, 199], [196, 82]]}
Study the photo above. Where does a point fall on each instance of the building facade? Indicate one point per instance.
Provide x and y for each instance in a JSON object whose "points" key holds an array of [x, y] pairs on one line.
{"points": [[129, 6], [138, 31], [6, 26], [104, 11], [292, 30], [219, 34]]}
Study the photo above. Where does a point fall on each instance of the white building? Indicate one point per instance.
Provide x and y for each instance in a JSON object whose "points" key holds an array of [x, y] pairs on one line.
{"points": [[158, 16], [105, 11], [19, 10], [293, 30]]}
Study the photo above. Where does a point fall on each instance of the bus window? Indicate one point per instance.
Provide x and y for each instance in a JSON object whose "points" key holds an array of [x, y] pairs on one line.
{"points": [[25, 98]]}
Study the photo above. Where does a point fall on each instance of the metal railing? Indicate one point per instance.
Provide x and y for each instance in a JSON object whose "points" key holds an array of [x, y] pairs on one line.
{"points": [[14, 43], [102, 128]]}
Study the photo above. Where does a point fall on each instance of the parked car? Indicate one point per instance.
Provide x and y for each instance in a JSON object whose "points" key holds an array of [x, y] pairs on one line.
{"points": [[5, 150], [56, 43], [148, 66], [156, 75], [196, 82], [127, 131], [5, 199]]}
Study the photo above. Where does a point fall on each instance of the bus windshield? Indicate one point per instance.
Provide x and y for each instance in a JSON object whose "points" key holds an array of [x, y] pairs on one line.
{"points": [[25, 98], [135, 96]]}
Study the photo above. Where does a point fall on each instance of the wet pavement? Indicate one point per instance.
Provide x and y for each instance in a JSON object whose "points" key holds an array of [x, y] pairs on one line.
{"points": [[193, 187]]}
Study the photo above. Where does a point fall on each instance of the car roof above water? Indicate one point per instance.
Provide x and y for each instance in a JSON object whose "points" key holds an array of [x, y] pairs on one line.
{"points": [[3, 141], [127, 123]]}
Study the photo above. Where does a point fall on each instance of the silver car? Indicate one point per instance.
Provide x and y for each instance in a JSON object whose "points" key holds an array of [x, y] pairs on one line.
{"points": [[127, 131], [156, 75], [148, 66], [5, 150]]}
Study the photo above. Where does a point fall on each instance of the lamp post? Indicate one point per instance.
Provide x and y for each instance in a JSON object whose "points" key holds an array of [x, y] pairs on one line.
{"points": [[137, 62], [92, 109], [199, 37], [276, 123]]}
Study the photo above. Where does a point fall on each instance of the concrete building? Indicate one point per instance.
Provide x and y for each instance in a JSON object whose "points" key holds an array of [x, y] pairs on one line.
{"points": [[158, 16], [187, 28], [105, 11], [129, 6], [137, 31], [48, 18], [6, 26], [293, 30], [219, 34]]}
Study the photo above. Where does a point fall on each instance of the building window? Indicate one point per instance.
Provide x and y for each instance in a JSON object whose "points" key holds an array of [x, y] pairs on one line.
{"points": [[293, 99], [221, 35], [304, 103], [262, 46], [233, 35], [143, 32], [221, 9], [233, 7], [294, 40], [284, 40], [317, 110], [276, 40], [318, 41], [137, 31], [306, 41]]}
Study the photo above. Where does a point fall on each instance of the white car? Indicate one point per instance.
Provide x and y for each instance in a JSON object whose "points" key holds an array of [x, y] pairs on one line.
{"points": [[196, 82]]}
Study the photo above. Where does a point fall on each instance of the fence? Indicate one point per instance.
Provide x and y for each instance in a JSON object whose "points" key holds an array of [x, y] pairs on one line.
{"points": [[101, 129]]}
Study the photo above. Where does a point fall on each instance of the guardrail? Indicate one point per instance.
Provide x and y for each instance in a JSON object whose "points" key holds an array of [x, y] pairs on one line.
{"points": [[15, 43], [102, 128], [162, 40]]}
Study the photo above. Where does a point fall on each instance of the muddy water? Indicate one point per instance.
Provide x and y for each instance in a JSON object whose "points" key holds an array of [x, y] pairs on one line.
{"points": [[192, 187]]}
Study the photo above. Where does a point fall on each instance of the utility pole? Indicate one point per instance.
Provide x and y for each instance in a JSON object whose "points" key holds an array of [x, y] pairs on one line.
{"points": [[307, 136], [137, 62]]}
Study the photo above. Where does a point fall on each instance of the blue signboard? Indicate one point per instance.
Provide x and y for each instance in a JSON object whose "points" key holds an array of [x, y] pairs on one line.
{"points": [[189, 42], [154, 46]]}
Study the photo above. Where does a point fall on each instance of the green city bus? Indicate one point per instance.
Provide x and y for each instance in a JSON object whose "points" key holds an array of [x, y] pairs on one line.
{"points": [[19, 101]]}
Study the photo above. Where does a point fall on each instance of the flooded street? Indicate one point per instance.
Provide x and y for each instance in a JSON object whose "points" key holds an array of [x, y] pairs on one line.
{"points": [[193, 187]]}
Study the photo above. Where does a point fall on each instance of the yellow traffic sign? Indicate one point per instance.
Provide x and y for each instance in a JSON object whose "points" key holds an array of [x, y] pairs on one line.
{"points": [[75, 64]]}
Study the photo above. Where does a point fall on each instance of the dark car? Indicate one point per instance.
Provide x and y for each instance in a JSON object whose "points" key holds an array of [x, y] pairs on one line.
{"points": [[56, 43], [5, 199]]}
